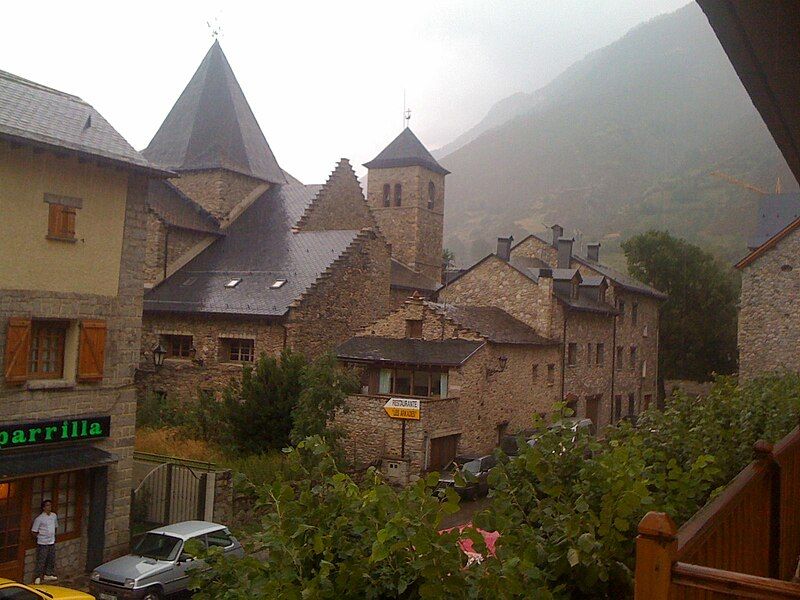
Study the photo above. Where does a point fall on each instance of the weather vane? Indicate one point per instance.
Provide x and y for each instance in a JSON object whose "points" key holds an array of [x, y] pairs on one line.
{"points": [[406, 112], [215, 28]]}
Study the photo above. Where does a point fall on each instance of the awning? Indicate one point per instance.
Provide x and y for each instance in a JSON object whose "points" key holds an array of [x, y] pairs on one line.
{"points": [[52, 460]]}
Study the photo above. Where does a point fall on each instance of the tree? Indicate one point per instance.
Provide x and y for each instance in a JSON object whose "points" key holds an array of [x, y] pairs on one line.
{"points": [[326, 386], [697, 331]]}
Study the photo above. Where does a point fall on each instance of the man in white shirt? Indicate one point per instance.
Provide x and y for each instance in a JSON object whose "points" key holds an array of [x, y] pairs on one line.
{"points": [[44, 530]]}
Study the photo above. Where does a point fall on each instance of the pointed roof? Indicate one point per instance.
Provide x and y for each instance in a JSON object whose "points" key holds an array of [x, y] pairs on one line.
{"points": [[211, 126], [406, 151]]}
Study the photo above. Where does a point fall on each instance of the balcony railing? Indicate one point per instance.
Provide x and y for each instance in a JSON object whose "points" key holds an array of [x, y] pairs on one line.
{"points": [[744, 544]]}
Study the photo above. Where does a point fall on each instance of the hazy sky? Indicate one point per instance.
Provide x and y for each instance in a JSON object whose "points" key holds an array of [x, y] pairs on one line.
{"points": [[324, 79]]}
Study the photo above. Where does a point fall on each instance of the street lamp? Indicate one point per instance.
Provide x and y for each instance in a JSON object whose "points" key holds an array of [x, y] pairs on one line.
{"points": [[159, 352]]}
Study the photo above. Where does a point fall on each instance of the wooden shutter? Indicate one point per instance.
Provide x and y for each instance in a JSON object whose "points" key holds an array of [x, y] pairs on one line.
{"points": [[18, 347], [91, 354]]}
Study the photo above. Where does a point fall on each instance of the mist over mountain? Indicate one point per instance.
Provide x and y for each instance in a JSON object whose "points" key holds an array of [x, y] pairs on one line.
{"points": [[622, 141]]}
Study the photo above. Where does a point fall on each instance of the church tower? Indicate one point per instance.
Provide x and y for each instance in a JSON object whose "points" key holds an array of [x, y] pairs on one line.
{"points": [[405, 190]]}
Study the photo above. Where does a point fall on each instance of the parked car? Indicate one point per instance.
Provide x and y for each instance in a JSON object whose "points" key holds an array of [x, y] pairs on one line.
{"points": [[159, 563], [474, 471], [573, 425], [19, 591]]}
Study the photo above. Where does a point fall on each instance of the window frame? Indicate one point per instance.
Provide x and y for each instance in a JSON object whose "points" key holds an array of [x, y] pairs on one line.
{"points": [[169, 339], [431, 195], [600, 354], [398, 194], [433, 374], [387, 195], [620, 358], [551, 374], [635, 313], [39, 329], [634, 356], [231, 345], [54, 495], [414, 329], [572, 354]]}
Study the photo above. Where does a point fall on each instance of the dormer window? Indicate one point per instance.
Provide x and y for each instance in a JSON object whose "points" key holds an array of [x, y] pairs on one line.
{"points": [[398, 194], [278, 283], [233, 283], [387, 192], [431, 195]]}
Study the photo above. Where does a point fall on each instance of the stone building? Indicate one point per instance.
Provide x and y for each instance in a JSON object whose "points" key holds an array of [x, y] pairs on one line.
{"points": [[769, 307], [71, 258], [243, 259], [605, 322], [470, 369]]}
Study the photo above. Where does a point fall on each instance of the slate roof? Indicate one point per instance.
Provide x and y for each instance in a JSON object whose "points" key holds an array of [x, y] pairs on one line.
{"points": [[212, 126], [775, 212], [36, 114], [406, 151], [176, 208], [496, 324], [259, 247], [624, 281], [442, 353], [585, 303], [408, 279]]}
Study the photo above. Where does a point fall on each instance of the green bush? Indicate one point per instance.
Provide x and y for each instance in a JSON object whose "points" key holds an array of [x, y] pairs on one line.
{"points": [[158, 410], [567, 509]]}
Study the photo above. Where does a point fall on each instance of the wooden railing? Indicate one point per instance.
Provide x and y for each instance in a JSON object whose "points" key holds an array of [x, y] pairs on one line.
{"points": [[744, 544]]}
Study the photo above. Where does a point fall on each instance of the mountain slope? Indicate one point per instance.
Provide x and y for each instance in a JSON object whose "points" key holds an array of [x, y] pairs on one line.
{"points": [[622, 141]]}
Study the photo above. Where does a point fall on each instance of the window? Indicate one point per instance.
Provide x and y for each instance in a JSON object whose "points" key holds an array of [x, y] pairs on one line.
{"points": [[572, 354], [65, 491], [535, 371], [551, 374], [15, 592], [405, 382], [398, 194], [621, 309], [645, 331], [178, 346], [47, 349], [572, 406], [387, 192], [631, 404], [634, 312], [221, 539], [633, 358], [620, 356], [61, 222], [277, 284], [233, 283], [648, 398], [414, 328], [589, 353], [600, 352], [431, 195], [237, 350], [617, 407]]}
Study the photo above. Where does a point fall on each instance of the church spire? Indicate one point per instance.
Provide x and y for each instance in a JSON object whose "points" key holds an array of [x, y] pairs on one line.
{"points": [[211, 126]]}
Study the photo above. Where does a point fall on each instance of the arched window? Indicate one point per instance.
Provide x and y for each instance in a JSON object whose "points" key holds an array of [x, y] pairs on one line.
{"points": [[431, 195], [398, 194], [387, 190]]}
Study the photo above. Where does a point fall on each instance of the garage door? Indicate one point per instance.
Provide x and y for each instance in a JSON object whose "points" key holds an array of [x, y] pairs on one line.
{"points": [[442, 452]]}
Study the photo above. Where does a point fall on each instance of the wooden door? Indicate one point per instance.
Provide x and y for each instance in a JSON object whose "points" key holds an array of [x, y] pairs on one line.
{"points": [[12, 548], [443, 451], [593, 411]]}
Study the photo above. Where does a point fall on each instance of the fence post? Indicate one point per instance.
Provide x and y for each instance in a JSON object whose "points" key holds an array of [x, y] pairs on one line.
{"points": [[763, 453], [656, 547], [168, 495], [201, 497]]}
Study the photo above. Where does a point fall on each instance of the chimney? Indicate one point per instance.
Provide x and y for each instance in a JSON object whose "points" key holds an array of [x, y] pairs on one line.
{"points": [[564, 252], [558, 231], [504, 247], [593, 251]]}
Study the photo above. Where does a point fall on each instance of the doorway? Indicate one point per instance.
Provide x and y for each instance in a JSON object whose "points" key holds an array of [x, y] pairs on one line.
{"points": [[12, 549], [593, 412], [443, 452]]}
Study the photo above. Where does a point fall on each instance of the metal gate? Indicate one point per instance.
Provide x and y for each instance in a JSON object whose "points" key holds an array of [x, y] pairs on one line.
{"points": [[170, 493]]}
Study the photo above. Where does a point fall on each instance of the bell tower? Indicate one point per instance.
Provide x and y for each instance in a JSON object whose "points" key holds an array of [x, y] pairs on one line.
{"points": [[405, 190]]}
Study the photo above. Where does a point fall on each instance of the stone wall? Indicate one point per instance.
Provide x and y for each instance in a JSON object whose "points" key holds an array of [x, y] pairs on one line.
{"points": [[414, 231], [769, 314], [352, 293], [181, 378], [216, 190], [114, 395], [494, 282], [166, 243], [340, 204]]}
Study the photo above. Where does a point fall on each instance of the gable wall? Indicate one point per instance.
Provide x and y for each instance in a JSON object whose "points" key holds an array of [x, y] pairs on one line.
{"points": [[769, 313], [216, 190], [495, 283], [339, 205]]}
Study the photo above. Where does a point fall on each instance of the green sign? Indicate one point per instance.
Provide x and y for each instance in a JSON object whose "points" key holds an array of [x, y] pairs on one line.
{"points": [[23, 435]]}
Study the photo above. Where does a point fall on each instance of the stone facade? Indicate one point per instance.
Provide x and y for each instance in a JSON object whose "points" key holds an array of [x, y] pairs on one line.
{"points": [[217, 190], [339, 204], [166, 245], [114, 395], [413, 230], [769, 312], [483, 400]]}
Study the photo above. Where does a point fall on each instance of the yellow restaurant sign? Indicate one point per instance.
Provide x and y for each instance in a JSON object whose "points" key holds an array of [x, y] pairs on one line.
{"points": [[402, 408]]}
